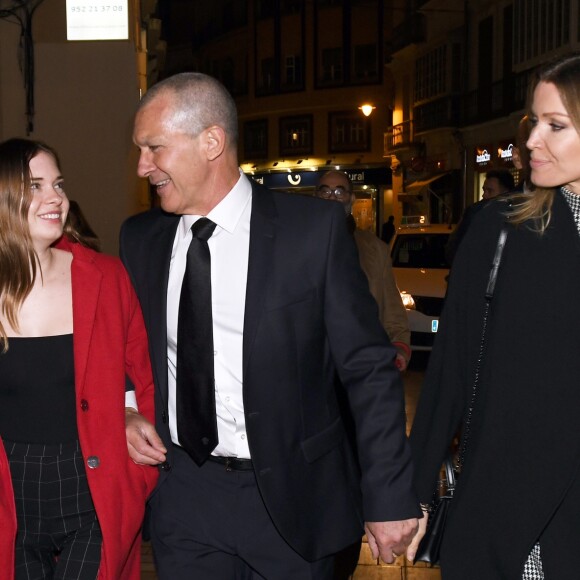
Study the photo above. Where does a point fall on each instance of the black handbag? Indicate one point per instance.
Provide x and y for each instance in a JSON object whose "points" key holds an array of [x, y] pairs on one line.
{"points": [[430, 545]]}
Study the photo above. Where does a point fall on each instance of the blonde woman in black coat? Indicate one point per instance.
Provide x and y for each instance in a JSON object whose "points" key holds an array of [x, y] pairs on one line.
{"points": [[516, 512]]}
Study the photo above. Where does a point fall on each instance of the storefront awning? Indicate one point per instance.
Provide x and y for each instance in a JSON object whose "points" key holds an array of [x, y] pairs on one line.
{"points": [[420, 187]]}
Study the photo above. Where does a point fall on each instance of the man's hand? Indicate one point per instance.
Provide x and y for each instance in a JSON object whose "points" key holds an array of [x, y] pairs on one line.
{"points": [[144, 445], [388, 540], [414, 545]]}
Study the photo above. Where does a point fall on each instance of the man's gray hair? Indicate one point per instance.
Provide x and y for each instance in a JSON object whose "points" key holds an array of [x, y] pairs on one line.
{"points": [[200, 101]]}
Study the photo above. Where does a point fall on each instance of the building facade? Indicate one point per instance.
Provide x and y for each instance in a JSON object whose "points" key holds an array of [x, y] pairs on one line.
{"points": [[300, 73], [461, 70]]}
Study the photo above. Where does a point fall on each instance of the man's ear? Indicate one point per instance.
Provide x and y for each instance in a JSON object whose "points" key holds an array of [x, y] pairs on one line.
{"points": [[215, 142]]}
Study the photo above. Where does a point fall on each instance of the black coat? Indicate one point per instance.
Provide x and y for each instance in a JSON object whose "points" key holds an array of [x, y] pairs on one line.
{"points": [[309, 316], [520, 482]]}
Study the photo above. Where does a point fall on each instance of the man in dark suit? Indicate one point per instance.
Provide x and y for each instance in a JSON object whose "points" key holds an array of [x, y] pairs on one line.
{"points": [[280, 492]]}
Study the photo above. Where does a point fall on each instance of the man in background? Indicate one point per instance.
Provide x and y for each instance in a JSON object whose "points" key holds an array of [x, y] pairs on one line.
{"points": [[376, 264], [497, 182]]}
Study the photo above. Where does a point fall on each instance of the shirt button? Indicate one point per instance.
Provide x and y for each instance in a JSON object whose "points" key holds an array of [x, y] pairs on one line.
{"points": [[84, 405], [93, 462], [215, 353], [243, 436]]}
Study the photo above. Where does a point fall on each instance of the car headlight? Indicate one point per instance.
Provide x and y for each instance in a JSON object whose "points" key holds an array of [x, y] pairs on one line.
{"points": [[408, 301]]}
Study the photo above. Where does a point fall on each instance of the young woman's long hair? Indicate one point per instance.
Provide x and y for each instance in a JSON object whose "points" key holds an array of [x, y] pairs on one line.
{"points": [[564, 73], [18, 260]]}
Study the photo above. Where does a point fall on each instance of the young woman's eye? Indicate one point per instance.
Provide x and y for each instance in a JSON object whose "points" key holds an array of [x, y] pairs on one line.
{"points": [[556, 127], [35, 186], [59, 186]]}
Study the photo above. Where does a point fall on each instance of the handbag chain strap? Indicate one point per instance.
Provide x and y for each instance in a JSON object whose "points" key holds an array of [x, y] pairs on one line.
{"points": [[488, 297]]}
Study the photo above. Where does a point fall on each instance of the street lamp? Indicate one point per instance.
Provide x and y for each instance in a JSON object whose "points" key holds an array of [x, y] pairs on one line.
{"points": [[367, 109]]}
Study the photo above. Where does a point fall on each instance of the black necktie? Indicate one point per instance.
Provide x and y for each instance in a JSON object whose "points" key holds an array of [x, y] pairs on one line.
{"points": [[196, 417]]}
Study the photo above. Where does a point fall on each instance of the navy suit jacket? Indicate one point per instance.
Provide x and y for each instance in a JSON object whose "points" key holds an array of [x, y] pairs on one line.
{"points": [[308, 317]]}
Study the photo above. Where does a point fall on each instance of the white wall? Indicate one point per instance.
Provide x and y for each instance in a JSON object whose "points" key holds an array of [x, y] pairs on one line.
{"points": [[86, 94]]}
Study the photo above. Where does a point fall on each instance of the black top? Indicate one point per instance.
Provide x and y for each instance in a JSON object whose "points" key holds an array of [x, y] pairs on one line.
{"points": [[37, 390]]}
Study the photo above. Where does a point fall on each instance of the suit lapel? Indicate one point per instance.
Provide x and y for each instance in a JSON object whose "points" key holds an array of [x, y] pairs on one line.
{"points": [[157, 260], [262, 236]]}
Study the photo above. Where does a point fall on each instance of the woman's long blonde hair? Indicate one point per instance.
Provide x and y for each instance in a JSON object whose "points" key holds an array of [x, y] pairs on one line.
{"points": [[564, 74], [18, 260]]}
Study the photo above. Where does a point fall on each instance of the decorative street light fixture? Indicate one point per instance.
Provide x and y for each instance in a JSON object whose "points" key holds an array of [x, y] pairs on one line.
{"points": [[367, 109]]}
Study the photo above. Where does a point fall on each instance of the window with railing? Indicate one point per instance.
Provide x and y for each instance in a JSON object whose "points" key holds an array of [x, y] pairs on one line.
{"points": [[431, 74], [540, 27]]}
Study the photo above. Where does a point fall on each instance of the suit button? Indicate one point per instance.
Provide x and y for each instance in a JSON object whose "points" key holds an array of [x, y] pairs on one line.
{"points": [[84, 405], [165, 466], [93, 462], [164, 417]]}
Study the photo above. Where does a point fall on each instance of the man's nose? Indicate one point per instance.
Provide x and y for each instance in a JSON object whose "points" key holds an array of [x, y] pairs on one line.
{"points": [[145, 165]]}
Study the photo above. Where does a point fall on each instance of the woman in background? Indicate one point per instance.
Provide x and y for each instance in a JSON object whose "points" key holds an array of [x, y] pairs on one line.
{"points": [[78, 229], [71, 500], [516, 510]]}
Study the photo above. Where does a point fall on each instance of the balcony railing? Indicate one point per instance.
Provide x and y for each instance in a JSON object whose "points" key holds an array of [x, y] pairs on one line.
{"points": [[490, 102], [398, 136]]}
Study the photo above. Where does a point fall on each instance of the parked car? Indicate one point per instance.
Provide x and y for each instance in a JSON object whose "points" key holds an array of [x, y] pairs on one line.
{"points": [[421, 270]]}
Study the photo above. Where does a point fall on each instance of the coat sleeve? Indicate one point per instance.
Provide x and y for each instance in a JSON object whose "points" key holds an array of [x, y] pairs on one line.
{"points": [[364, 359], [138, 366], [450, 374], [393, 315]]}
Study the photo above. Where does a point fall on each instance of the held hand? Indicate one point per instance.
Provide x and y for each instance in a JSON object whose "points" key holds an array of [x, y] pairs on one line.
{"points": [[401, 362], [414, 545], [144, 445], [388, 540]]}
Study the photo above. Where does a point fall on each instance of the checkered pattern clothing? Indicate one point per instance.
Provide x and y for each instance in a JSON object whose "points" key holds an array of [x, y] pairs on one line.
{"points": [[574, 203], [533, 568], [59, 536]]}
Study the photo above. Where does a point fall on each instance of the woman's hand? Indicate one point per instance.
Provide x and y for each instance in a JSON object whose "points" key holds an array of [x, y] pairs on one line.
{"points": [[414, 545]]}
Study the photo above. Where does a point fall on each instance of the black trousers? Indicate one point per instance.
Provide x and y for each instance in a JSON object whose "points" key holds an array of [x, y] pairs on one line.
{"points": [[211, 524], [58, 532]]}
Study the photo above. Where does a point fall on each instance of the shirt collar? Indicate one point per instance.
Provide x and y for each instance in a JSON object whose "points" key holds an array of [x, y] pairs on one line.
{"points": [[228, 212]]}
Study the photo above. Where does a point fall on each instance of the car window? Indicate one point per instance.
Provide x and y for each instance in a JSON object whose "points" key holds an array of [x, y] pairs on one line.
{"points": [[420, 250]]}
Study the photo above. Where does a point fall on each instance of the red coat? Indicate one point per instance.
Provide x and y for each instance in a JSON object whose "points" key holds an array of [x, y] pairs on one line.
{"points": [[110, 343]]}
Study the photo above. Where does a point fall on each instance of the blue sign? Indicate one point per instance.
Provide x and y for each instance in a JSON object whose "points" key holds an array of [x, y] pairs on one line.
{"points": [[285, 180]]}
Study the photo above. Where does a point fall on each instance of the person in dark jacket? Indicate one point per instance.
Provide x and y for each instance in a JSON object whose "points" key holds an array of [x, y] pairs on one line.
{"points": [[517, 505]]}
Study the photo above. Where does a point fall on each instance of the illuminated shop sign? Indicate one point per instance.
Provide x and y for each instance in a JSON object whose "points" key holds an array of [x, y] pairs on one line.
{"points": [[285, 180], [505, 152], [482, 156]]}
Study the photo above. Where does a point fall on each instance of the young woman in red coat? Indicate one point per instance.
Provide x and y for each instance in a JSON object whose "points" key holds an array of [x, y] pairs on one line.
{"points": [[71, 332]]}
